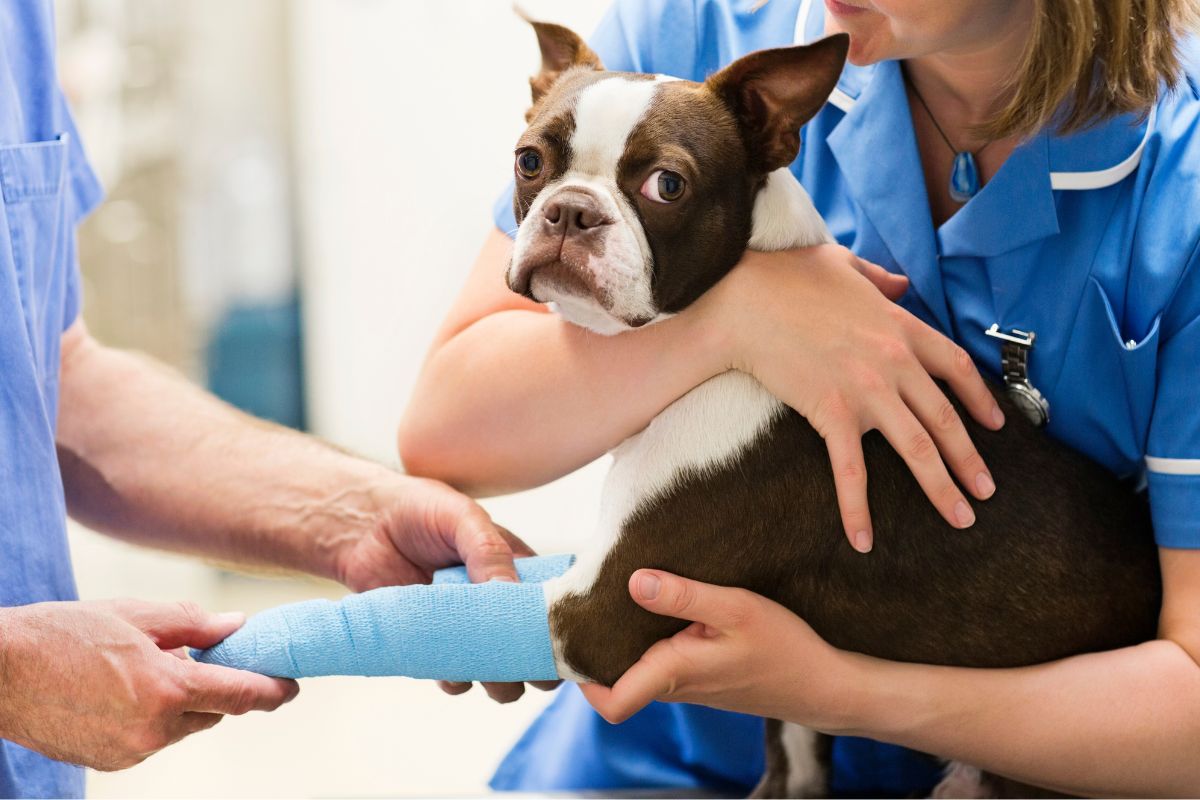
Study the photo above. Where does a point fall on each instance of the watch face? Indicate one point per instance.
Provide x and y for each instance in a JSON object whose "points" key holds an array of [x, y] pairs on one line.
{"points": [[1030, 402]]}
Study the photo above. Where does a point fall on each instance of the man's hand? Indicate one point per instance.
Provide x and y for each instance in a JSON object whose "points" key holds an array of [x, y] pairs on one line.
{"points": [[742, 652], [106, 685], [424, 525], [270, 496]]}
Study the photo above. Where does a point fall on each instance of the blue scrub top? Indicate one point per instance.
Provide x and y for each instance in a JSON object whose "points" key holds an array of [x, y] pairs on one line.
{"points": [[1090, 240], [47, 186]]}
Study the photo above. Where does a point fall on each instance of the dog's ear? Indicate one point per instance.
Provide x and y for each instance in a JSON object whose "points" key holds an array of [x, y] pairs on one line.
{"points": [[562, 49], [773, 92]]}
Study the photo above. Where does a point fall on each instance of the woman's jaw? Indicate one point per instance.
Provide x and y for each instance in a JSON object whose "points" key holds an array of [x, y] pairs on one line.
{"points": [[908, 29]]}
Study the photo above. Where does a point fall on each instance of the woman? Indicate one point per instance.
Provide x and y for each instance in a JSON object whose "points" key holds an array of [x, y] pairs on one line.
{"points": [[1022, 163]]}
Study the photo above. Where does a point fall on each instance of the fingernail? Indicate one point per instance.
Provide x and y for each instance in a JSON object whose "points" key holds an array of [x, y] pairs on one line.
{"points": [[964, 514], [997, 416], [984, 484], [862, 542], [648, 585], [505, 579], [231, 618]]}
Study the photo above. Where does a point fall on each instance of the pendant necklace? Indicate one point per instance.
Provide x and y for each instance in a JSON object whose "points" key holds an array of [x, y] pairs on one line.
{"points": [[964, 174]]}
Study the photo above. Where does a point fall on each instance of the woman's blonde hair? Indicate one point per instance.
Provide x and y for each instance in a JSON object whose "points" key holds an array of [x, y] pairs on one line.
{"points": [[1091, 60]]}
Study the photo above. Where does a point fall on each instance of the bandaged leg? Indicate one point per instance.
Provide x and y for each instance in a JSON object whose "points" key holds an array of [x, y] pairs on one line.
{"points": [[449, 630]]}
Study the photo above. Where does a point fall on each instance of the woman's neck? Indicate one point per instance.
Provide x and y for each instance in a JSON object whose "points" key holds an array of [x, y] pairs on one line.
{"points": [[966, 87]]}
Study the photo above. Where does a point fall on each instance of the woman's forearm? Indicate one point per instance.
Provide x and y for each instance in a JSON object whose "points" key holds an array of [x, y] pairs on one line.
{"points": [[519, 398], [1123, 723]]}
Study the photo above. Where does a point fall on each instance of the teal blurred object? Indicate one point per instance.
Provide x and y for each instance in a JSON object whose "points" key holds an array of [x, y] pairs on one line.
{"points": [[254, 361]]}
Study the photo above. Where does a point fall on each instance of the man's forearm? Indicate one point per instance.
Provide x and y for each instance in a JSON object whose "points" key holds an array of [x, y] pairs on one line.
{"points": [[1124, 723], [150, 458]]}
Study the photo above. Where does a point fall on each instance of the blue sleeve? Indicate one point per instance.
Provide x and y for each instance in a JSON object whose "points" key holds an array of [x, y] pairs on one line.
{"points": [[1173, 448], [658, 36], [84, 193]]}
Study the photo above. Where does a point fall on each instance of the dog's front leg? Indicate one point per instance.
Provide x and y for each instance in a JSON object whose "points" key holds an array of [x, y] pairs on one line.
{"points": [[597, 631]]}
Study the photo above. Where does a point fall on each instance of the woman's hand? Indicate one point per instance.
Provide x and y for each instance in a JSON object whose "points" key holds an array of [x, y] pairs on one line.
{"points": [[811, 327], [742, 652]]}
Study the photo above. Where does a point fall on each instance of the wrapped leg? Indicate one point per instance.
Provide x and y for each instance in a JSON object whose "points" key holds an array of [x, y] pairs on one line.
{"points": [[450, 630]]}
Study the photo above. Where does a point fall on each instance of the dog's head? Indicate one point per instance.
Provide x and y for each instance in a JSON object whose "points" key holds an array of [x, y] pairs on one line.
{"points": [[635, 193]]}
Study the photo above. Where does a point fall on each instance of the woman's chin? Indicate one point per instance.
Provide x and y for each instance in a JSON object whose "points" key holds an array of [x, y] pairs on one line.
{"points": [[866, 43]]}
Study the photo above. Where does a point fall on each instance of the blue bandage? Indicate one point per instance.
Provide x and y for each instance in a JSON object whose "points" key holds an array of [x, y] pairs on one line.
{"points": [[449, 630]]}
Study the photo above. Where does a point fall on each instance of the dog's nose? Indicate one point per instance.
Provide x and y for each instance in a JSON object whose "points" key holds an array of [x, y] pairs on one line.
{"points": [[573, 212]]}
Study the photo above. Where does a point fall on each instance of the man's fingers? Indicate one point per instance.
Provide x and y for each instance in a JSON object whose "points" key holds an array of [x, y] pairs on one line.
{"points": [[229, 691], [504, 692], [186, 724], [891, 285], [519, 548], [850, 478], [661, 592], [196, 721], [500, 692], [940, 418], [172, 625], [919, 451], [483, 548], [944, 359]]}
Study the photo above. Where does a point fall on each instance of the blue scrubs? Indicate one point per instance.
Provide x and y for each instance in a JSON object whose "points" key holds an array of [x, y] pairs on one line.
{"points": [[1090, 240], [47, 187]]}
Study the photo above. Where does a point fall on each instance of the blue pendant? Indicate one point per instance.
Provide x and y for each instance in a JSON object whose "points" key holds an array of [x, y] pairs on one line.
{"points": [[964, 178]]}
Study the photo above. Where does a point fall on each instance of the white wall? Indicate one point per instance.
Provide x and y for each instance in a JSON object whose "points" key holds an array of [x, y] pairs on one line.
{"points": [[406, 115]]}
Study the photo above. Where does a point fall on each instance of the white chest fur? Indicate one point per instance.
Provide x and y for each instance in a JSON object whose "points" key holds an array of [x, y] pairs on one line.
{"points": [[706, 428]]}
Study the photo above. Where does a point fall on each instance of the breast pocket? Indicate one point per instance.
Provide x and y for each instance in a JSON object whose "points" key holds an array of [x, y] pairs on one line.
{"points": [[33, 178], [1105, 395]]}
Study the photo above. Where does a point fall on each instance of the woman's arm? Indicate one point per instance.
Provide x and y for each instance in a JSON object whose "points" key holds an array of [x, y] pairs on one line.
{"points": [[1123, 723], [512, 397]]}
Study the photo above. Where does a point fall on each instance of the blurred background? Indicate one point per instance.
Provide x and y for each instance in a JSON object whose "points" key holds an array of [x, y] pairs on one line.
{"points": [[296, 191]]}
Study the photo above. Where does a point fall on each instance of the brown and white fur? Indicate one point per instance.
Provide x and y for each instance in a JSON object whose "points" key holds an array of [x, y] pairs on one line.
{"points": [[728, 485]]}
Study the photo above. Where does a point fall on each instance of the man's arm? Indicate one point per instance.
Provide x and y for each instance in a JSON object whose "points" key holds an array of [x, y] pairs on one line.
{"points": [[152, 459]]}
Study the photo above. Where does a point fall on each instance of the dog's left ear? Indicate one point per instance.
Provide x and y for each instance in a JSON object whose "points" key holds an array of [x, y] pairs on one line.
{"points": [[773, 92], [562, 49]]}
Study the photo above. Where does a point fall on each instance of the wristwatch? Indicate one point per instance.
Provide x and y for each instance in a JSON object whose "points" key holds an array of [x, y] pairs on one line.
{"points": [[1014, 360]]}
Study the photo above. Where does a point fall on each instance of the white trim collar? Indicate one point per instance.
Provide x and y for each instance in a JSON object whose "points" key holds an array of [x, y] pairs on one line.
{"points": [[1100, 178]]}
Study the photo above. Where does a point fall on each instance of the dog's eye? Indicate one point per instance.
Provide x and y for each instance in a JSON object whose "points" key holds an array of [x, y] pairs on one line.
{"points": [[664, 186], [529, 164]]}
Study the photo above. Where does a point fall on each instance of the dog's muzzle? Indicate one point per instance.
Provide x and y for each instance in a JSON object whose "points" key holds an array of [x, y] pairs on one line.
{"points": [[569, 229]]}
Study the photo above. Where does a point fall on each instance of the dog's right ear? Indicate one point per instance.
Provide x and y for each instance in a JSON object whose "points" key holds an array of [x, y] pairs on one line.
{"points": [[562, 49]]}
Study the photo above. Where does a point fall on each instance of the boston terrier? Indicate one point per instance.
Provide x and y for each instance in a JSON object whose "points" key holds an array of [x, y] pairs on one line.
{"points": [[635, 194]]}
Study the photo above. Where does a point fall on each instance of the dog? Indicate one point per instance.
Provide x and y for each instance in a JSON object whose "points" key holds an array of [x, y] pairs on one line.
{"points": [[634, 195]]}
